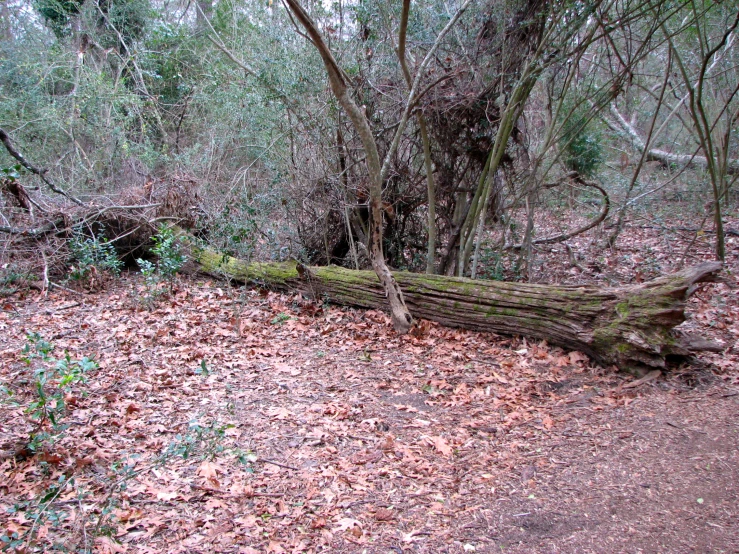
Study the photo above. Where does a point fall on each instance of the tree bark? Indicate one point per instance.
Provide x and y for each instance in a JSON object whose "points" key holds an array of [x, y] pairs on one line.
{"points": [[428, 164], [630, 326]]}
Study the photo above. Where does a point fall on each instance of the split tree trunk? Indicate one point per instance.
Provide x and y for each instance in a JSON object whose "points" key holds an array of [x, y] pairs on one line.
{"points": [[630, 327], [402, 319]]}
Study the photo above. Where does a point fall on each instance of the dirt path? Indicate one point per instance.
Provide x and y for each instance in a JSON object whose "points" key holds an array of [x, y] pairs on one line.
{"points": [[660, 475]]}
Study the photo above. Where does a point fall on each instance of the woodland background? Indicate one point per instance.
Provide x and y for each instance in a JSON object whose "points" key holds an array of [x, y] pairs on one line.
{"points": [[533, 122]]}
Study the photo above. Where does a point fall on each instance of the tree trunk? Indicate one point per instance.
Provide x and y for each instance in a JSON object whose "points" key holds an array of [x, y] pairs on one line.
{"points": [[402, 319], [630, 327], [6, 25], [428, 164]]}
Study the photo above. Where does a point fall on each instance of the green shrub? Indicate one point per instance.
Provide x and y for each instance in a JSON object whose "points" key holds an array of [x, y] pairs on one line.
{"points": [[12, 278], [52, 380], [169, 261], [91, 255], [11, 173], [491, 265], [584, 153], [167, 250], [581, 143]]}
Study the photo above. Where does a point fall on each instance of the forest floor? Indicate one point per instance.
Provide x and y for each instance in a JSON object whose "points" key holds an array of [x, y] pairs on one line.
{"points": [[227, 420]]}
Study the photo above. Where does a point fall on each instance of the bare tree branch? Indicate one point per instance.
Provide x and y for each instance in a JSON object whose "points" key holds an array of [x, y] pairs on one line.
{"points": [[417, 83], [605, 207], [33, 169]]}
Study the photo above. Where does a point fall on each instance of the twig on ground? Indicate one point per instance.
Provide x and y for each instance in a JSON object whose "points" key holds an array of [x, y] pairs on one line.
{"points": [[53, 284], [651, 376], [278, 464], [228, 493]]}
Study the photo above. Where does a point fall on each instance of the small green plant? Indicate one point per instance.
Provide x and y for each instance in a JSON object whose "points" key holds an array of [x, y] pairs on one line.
{"points": [[205, 442], [92, 255], [169, 261], [246, 458], [203, 369], [491, 265], [41, 511], [581, 142], [12, 278], [11, 173], [167, 250], [279, 319], [149, 271], [52, 380]]}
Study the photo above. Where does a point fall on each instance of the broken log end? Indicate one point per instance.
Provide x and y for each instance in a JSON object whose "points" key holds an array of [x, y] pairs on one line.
{"points": [[637, 331], [707, 272]]}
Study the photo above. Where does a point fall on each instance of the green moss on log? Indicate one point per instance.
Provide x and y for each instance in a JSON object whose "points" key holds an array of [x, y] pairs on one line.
{"points": [[273, 273]]}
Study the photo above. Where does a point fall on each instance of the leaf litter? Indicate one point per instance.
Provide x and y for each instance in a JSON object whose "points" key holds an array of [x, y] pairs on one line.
{"points": [[243, 421]]}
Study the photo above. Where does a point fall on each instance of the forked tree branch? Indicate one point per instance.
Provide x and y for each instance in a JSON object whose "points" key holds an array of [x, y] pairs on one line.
{"points": [[33, 169]]}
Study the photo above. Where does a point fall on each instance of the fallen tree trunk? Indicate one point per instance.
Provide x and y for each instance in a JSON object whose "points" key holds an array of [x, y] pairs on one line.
{"points": [[625, 129], [630, 327]]}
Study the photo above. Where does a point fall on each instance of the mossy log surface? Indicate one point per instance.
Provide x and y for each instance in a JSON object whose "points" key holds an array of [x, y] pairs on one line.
{"points": [[630, 327]]}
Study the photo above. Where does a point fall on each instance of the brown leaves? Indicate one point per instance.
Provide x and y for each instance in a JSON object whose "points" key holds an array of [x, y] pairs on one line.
{"points": [[166, 496], [278, 412], [321, 432], [366, 456], [209, 471], [442, 446], [350, 525], [383, 514], [575, 357]]}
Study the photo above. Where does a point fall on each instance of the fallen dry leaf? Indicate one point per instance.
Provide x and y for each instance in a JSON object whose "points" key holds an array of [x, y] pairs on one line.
{"points": [[442, 445], [349, 525], [106, 545], [209, 470], [578, 357], [279, 413], [383, 514], [166, 495], [366, 456], [275, 548]]}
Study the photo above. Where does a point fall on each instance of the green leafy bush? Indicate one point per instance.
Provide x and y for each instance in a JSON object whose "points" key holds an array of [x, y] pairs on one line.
{"points": [[581, 143], [167, 250], [584, 154], [92, 255], [169, 261], [52, 380], [491, 265], [11, 173], [12, 278]]}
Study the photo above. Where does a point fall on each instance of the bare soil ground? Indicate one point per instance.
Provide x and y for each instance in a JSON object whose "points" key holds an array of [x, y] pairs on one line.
{"points": [[237, 421]]}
